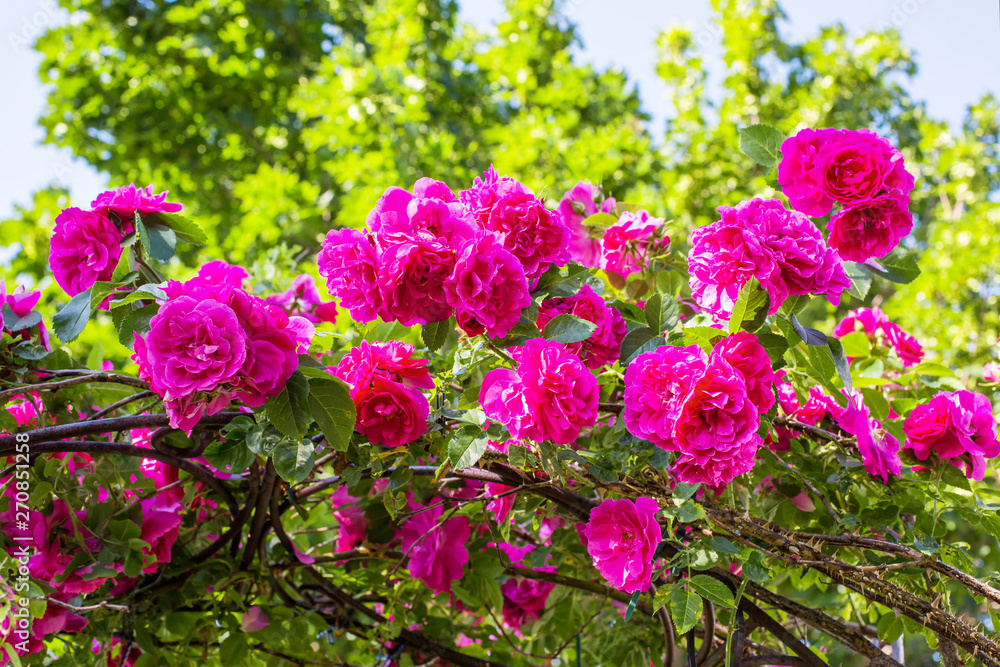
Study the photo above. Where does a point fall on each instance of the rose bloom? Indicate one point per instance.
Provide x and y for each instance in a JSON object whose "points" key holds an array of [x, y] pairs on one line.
{"points": [[954, 425], [605, 342], [524, 600], [411, 277], [487, 288], [870, 319], [437, 554], [431, 212], [879, 449], [625, 244], [797, 171], [656, 384], [871, 228], [716, 428], [272, 348], [351, 520], [858, 165], [392, 360], [819, 405], [84, 249], [622, 537], [907, 347], [125, 201], [991, 371], [303, 299], [390, 414], [349, 262], [161, 524], [500, 507], [552, 396], [579, 203], [744, 353]]}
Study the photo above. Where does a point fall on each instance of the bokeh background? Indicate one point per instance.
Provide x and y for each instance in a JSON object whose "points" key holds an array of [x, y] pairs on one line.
{"points": [[275, 120]]}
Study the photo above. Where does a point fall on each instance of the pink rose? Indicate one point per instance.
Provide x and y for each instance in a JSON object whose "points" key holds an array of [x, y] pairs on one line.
{"points": [[907, 347], [716, 429], [626, 244], [579, 203], [391, 360], [954, 425], [552, 396], [991, 371], [126, 200], [656, 384], [622, 537], [487, 288], [524, 600], [797, 172], [879, 449], [351, 520], [431, 213], [858, 165], [390, 414], [605, 342], [871, 228], [349, 262], [817, 407], [437, 553], [411, 276], [161, 524], [744, 353], [500, 507], [215, 280], [254, 620], [870, 319], [271, 354], [303, 299], [84, 250]]}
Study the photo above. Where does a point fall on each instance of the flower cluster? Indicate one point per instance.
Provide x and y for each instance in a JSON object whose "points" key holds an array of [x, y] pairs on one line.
{"points": [[428, 254], [957, 427], [622, 537], [385, 384], [211, 342], [879, 448], [550, 396], [579, 203], [761, 239], [523, 599], [605, 342], [860, 170], [86, 244], [875, 324], [706, 407], [626, 243], [437, 553], [21, 317]]}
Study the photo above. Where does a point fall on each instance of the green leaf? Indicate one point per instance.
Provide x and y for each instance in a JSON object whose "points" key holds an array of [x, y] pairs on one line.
{"points": [[71, 320], [722, 545], [899, 266], [102, 290], [774, 345], [434, 334], [184, 228], [712, 590], [861, 279], [234, 650], [685, 608], [466, 447], [13, 323], [662, 313], [331, 406], [601, 219], [162, 242], [762, 144], [890, 628], [232, 455], [794, 305], [631, 604], [638, 341], [926, 545], [135, 320], [289, 410], [812, 337], [755, 570], [294, 459], [856, 345], [146, 292], [630, 311], [566, 328], [840, 362], [662, 597], [554, 284], [750, 309], [690, 511]]}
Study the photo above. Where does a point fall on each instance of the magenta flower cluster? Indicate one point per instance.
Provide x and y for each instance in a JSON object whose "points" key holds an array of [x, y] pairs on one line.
{"points": [[605, 342], [860, 170], [86, 244], [877, 326], [957, 427], [621, 538], [551, 395], [705, 407], [211, 342], [385, 382], [763, 240]]}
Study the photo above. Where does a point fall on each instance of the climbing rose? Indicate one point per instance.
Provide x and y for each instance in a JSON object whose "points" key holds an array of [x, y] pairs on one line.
{"points": [[956, 426], [873, 321], [871, 228], [437, 554], [907, 347], [622, 537], [431, 212], [626, 244], [126, 200], [744, 352], [349, 262], [488, 288], [716, 428], [303, 299], [390, 414], [817, 407], [532, 233], [524, 600], [879, 449], [656, 384], [604, 344], [392, 360], [870, 319], [579, 203], [991, 371], [797, 172], [85, 249], [500, 507], [552, 396], [857, 165], [411, 276], [351, 520]]}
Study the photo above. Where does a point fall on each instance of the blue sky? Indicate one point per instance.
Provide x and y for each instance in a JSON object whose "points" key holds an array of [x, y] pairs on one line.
{"points": [[957, 45]]}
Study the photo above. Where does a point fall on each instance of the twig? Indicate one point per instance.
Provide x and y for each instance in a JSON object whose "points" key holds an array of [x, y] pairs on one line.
{"points": [[119, 404]]}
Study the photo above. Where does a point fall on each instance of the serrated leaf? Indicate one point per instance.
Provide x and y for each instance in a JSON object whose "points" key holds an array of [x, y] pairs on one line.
{"points": [[712, 590], [289, 411], [750, 309], [146, 292], [331, 406], [553, 283], [185, 229], [755, 570], [809, 336], [840, 362], [135, 320], [434, 334], [13, 323], [690, 511], [899, 267], [762, 144], [861, 279], [566, 328], [601, 219], [774, 345], [71, 320], [467, 446], [926, 545], [685, 609], [629, 311], [162, 242], [232, 455], [636, 342], [722, 545], [856, 345], [890, 628], [294, 459]]}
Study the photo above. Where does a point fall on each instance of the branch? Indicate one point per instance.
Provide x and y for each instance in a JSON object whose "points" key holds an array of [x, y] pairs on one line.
{"points": [[99, 426], [113, 378], [580, 584], [119, 404]]}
